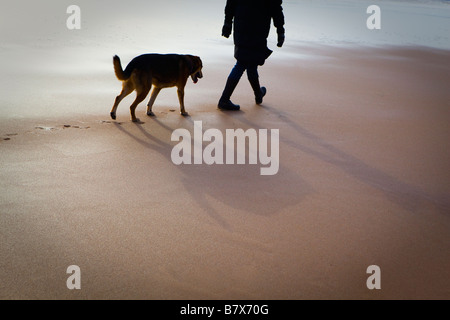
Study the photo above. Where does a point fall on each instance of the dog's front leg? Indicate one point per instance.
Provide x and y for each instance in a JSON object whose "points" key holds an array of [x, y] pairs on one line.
{"points": [[180, 92], [152, 101]]}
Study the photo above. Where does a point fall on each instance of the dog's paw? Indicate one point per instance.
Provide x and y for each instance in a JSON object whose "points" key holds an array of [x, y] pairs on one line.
{"points": [[113, 115], [184, 114], [150, 113]]}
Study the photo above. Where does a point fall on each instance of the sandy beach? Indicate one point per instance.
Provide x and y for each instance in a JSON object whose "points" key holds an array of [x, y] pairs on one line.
{"points": [[363, 179]]}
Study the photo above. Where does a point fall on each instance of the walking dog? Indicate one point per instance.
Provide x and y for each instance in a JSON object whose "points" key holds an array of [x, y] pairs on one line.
{"points": [[159, 70]]}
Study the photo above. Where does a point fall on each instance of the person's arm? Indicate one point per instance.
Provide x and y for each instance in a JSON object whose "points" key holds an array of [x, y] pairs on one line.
{"points": [[278, 20], [229, 15]]}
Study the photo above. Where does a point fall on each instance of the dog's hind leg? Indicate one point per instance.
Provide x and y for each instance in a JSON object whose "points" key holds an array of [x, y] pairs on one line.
{"points": [[155, 92], [127, 88], [140, 96]]}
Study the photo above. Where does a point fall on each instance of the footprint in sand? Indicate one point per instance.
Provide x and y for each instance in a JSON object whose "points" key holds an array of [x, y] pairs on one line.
{"points": [[45, 128], [8, 136], [75, 127], [65, 126], [109, 121]]}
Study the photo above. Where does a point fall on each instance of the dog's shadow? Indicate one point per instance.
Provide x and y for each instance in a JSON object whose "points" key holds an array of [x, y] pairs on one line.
{"points": [[220, 188]]}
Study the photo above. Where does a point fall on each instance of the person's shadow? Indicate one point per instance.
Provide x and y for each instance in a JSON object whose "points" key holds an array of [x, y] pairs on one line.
{"points": [[241, 187], [408, 196]]}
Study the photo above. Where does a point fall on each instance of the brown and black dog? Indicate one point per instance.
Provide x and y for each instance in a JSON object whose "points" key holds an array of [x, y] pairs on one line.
{"points": [[159, 70]]}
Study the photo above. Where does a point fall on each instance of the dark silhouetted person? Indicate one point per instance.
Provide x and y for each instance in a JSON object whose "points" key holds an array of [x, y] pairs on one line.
{"points": [[252, 21]]}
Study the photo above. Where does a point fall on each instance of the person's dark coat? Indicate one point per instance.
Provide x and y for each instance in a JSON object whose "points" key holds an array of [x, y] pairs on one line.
{"points": [[252, 22]]}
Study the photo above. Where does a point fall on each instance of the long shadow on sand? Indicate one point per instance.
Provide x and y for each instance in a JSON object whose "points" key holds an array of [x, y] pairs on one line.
{"points": [[408, 196], [241, 187], [217, 189]]}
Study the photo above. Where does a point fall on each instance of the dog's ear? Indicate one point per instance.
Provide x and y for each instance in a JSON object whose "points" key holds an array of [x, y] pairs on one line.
{"points": [[190, 63], [198, 62]]}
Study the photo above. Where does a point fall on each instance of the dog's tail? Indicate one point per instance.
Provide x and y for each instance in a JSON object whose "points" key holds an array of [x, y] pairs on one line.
{"points": [[120, 74]]}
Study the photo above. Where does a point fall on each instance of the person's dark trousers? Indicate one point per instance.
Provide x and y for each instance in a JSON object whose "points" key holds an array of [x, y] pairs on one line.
{"points": [[253, 78], [232, 81]]}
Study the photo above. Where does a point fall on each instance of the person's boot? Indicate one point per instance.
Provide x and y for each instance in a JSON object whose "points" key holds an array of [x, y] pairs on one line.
{"points": [[224, 101], [260, 92]]}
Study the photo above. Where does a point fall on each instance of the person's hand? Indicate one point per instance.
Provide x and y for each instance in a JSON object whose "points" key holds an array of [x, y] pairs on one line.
{"points": [[226, 30], [280, 40]]}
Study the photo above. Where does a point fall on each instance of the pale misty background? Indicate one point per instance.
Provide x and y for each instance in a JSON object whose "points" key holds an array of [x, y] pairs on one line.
{"points": [[38, 52]]}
